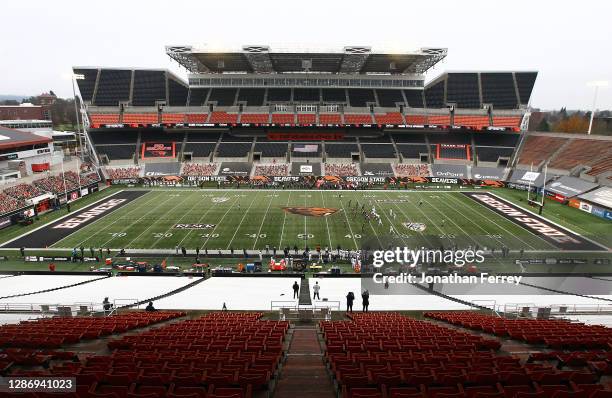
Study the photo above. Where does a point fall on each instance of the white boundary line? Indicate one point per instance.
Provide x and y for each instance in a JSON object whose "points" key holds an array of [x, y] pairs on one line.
{"points": [[229, 245], [263, 220], [280, 243]]}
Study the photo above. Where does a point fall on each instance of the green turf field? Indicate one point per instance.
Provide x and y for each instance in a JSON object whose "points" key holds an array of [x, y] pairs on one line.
{"points": [[243, 219]]}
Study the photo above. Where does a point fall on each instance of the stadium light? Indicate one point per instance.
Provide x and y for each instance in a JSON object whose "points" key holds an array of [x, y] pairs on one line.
{"points": [[596, 84]]}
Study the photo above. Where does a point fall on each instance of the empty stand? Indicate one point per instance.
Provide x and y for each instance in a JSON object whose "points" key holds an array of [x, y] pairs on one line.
{"points": [[87, 85], [333, 95], [389, 118], [283, 118], [306, 118], [256, 118], [525, 82], [252, 96], [173, 118], [513, 122], [358, 119], [149, 87], [412, 151], [113, 87], [233, 149], [140, 118], [330, 118], [177, 93], [199, 149], [538, 149], [414, 98], [269, 149], [223, 118], [581, 152], [222, 96], [378, 150], [434, 95], [498, 90], [361, 97], [279, 95], [196, 117], [197, 96], [116, 152], [390, 98], [306, 95], [344, 150], [462, 89], [471, 121], [98, 119]]}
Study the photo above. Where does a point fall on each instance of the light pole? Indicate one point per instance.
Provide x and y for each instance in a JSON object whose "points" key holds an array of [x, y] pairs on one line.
{"points": [[76, 111], [596, 84]]}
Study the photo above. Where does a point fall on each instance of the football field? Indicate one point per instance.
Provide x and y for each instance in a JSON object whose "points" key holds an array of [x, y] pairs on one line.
{"points": [[253, 219]]}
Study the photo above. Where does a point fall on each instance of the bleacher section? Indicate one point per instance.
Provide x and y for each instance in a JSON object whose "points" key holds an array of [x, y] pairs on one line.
{"points": [[341, 169], [269, 149], [343, 150], [222, 96], [233, 149], [378, 150], [271, 169], [149, 87], [412, 151], [538, 149], [411, 170], [580, 152], [199, 149], [490, 147], [117, 152], [251, 96], [113, 87]]}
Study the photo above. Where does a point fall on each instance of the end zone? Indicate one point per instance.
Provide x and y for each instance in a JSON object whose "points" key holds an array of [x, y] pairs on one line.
{"points": [[559, 236], [57, 230]]}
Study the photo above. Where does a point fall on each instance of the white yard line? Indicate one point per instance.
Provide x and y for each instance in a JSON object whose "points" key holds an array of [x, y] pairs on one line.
{"points": [[327, 222], [280, 243], [219, 223], [404, 214], [263, 220], [136, 222], [187, 213], [229, 245], [180, 244], [349, 225]]}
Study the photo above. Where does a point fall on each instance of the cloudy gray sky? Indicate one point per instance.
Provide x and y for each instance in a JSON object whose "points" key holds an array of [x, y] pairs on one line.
{"points": [[568, 42]]}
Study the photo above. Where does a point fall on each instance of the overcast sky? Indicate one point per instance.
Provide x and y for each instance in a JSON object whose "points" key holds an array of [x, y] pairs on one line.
{"points": [[568, 42]]}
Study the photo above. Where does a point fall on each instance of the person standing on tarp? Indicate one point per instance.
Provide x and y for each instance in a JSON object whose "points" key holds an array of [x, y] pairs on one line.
{"points": [[350, 297], [296, 290], [316, 288], [365, 298]]}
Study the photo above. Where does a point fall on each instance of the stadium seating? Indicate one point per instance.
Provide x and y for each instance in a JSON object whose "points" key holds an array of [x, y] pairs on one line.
{"points": [[378, 150], [306, 95], [414, 98], [252, 96], [123, 172], [343, 150], [9, 204], [114, 152], [23, 191], [439, 120], [140, 118], [389, 118], [600, 167], [222, 96], [412, 151], [357, 119], [197, 117], [581, 152], [199, 169], [360, 98], [554, 333], [271, 169], [389, 98], [330, 118], [113, 87], [471, 121], [271, 149], [445, 151], [224, 118], [341, 169], [538, 149], [418, 120], [98, 119], [149, 87], [234, 150], [507, 121], [199, 149], [333, 95], [411, 170], [256, 118], [173, 118], [498, 90], [279, 95], [306, 118], [492, 154], [283, 118], [221, 354]]}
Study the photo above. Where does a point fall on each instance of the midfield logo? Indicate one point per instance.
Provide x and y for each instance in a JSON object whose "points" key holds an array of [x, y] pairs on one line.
{"points": [[311, 211]]}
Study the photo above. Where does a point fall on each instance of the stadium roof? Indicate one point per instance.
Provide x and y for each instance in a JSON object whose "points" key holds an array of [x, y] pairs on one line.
{"points": [[264, 59], [10, 138]]}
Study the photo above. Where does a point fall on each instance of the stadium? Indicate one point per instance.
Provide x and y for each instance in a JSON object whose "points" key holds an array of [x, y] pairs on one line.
{"points": [[211, 234]]}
